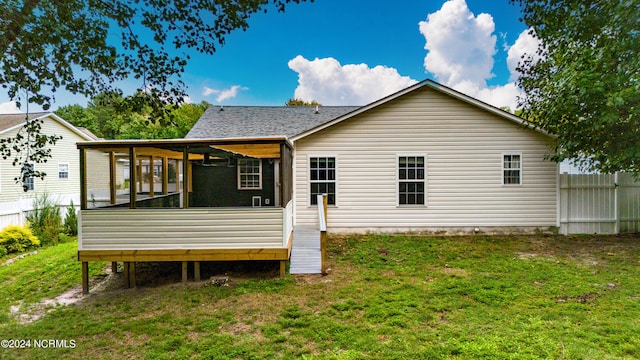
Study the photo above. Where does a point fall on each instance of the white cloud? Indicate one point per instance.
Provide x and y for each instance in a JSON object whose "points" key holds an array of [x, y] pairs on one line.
{"points": [[525, 46], [225, 94], [330, 83], [9, 107], [460, 53]]}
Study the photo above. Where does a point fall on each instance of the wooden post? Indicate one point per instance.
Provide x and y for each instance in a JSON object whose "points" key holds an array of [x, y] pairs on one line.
{"points": [[196, 270], [114, 267], [112, 177], [283, 268], [125, 273], [85, 277], [151, 179], [185, 177], [185, 276], [132, 275], [323, 236], [165, 175], [83, 179], [133, 186]]}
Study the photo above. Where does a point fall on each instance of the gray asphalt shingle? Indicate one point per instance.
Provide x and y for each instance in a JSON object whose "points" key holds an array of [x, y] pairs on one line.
{"points": [[262, 121]]}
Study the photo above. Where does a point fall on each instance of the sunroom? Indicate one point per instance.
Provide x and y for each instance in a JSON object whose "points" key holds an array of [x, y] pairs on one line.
{"points": [[185, 200]]}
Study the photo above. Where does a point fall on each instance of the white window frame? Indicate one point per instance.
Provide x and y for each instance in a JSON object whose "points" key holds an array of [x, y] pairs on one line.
{"points": [[32, 178], [309, 181], [240, 164], [503, 169], [398, 180], [61, 172]]}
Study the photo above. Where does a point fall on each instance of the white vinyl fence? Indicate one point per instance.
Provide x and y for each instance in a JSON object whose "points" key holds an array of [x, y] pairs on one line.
{"points": [[15, 212], [599, 204]]}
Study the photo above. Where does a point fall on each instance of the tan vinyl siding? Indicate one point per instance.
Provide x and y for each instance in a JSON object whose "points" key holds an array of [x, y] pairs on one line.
{"points": [[160, 229], [463, 147]]}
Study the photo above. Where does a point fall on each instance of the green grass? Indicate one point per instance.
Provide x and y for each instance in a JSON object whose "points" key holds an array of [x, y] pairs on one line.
{"points": [[387, 297]]}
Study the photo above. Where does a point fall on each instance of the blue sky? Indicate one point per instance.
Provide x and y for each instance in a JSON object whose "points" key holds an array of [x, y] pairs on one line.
{"points": [[348, 52]]}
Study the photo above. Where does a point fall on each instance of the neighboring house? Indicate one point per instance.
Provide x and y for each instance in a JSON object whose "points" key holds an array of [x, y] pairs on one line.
{"points": [[426, 158], [62, 169]]}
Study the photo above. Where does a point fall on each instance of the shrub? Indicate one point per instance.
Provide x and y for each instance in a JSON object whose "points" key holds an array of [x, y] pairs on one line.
{"points": [[45, 220], [71, 221], [3, 252], [17, 239]]}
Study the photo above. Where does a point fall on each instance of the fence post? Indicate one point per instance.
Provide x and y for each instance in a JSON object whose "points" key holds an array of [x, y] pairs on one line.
{"points": [[616, 214]]}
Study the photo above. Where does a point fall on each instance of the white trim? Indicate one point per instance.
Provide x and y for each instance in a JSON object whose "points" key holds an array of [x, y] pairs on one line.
{"points": [[308, 160], [425, 200], [238, 167], [512, 153], [56, 118]]}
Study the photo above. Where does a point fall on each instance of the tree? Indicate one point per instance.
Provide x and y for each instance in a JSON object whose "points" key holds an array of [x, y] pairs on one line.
{"points": [[49, 45], [300, 102], [584, 83]]}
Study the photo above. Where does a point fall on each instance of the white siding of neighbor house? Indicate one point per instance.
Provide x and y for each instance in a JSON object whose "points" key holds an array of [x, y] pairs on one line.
{"points": [[168, 229], [14, 201], [463, 147]]}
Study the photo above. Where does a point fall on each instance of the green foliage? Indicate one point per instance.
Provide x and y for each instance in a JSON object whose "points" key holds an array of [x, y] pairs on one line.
{"points": [[103, 118], [586, 86], [45, 220], [300, 102], [3, 252], [17, 239], [89, 47], [71, 221]]}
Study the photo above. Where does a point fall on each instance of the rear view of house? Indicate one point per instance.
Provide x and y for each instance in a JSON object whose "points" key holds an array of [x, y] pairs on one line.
{"points": [[424, 159]]}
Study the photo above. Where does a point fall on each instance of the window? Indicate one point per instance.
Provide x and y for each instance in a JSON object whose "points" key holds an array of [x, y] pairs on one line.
{"points": [[249, 174], [322, 179], [411, 180], [63, 171], [511, 169], [29, 183]]}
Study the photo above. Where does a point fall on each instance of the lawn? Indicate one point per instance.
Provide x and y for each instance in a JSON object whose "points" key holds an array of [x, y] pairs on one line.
{"points": [[386, 297]]}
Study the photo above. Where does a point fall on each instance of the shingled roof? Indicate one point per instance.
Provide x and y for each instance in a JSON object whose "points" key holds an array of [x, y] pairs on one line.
{"points": [[262, 121], [10, 120]]}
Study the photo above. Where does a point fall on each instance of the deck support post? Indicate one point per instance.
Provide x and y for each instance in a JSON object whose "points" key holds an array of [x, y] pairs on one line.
{"points": [[132, 275], [196, 270], [283, 268], [185, 276], [125, 273], [114, 267], [85, 277]]}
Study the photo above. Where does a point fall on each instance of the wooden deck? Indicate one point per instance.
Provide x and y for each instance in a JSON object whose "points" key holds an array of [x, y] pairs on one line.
{"points": [[306, 257]]}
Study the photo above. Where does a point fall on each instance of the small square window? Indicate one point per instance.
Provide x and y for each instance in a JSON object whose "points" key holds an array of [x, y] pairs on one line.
{"points": [[322, 175], [411, 180], [63, 171]]}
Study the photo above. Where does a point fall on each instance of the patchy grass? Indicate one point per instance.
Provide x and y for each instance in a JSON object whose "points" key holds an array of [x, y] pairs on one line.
{"points": [[386, 297]]}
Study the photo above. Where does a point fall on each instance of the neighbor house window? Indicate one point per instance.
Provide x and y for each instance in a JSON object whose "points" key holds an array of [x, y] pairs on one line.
{"points": [[411, 180], [322, 179], [249, 174], [29, 183], [63, 171], [512, 169]]}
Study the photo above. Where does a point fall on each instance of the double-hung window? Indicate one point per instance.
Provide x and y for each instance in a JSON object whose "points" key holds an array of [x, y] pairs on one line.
{"points": [[63, 171], [322, 179], [411, 180], [249, 174], [29, 180], [512, 169]]}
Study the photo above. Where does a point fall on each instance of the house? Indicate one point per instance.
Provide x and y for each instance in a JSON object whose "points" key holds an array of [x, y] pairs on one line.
{"points": [[62, 169], [426, 158]]}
